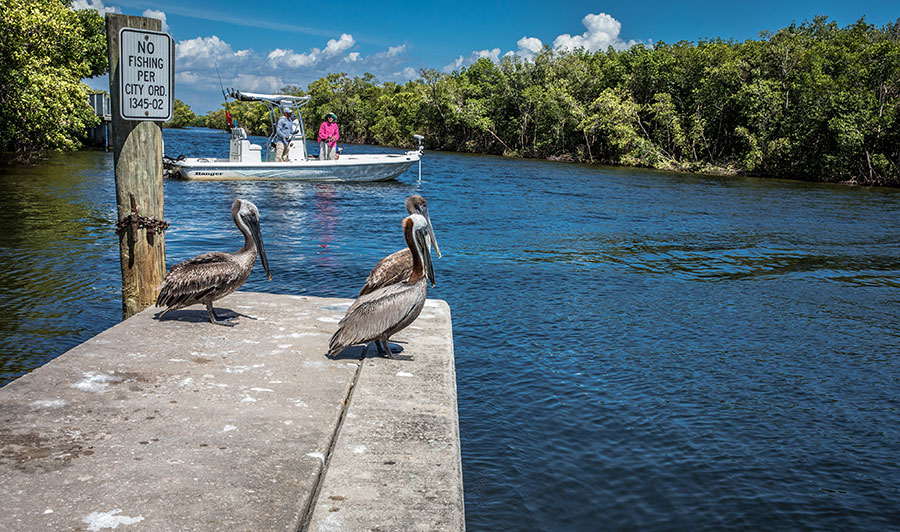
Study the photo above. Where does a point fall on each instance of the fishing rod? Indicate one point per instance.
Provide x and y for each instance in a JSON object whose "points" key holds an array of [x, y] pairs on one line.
{"points": [[228, 121]]}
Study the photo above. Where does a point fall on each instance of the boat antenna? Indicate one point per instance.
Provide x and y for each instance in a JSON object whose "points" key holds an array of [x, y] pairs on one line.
{"points": [[420, 138], [224, 96]]}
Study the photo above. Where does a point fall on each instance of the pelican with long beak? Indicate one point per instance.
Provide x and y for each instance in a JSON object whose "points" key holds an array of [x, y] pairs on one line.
{"points": [[212, 276], [396, 267], [378, 315]]}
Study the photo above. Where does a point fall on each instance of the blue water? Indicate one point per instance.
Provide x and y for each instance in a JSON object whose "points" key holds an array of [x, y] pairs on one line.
{"points": [[635, 350]]}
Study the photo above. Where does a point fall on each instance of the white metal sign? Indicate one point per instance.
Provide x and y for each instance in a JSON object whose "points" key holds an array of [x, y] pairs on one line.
{"points": [[146, 75]]}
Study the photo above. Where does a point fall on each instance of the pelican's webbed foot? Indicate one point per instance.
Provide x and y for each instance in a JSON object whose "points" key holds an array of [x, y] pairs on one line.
{"points": [[385, 348], [215, 319]]}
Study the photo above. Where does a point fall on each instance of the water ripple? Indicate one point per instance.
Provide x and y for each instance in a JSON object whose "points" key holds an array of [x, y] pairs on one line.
{"points": [[634, 350]]}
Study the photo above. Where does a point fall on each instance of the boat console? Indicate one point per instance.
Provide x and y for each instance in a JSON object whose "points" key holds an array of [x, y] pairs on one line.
{"points": [[241, 150], [297, 149]]}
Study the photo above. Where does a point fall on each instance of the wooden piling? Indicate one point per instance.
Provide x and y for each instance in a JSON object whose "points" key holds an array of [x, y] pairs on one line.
{"points": [[137, 150]]}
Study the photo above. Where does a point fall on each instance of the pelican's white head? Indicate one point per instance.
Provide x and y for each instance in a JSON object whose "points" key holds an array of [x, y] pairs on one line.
{"points": [[419, 221], [246, 217], [418, 236], [416, 204]]}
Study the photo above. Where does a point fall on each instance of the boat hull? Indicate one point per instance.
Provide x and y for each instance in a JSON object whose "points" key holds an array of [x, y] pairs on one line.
{"points": [[378, 167]]}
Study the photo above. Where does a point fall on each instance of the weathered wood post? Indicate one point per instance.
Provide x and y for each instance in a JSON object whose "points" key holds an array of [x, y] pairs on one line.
{"points": [[137, 151]]}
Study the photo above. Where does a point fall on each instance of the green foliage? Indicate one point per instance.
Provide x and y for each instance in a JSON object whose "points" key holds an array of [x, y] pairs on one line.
{"points": [[94, 30], [253, 117], [811, 101], [216, 120], [182, 116], [46, 50], [198, 121]]}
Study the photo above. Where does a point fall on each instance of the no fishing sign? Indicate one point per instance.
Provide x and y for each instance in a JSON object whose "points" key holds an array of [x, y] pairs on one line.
{"points": [[146, 75]]}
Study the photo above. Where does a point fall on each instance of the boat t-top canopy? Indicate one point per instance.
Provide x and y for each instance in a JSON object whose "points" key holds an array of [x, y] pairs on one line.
{"points": [[274, 99], [275, 104]]}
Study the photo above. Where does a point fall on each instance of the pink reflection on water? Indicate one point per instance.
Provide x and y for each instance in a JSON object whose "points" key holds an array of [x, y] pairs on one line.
{"points": [[325, 217]]}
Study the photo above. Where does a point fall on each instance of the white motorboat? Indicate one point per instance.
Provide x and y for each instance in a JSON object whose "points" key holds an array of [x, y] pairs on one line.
{"points": [[251, 161]]}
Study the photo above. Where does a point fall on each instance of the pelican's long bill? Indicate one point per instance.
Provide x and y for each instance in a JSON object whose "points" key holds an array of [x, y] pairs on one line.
{"points": [[423, 210], [422, 243], [253, 223]]}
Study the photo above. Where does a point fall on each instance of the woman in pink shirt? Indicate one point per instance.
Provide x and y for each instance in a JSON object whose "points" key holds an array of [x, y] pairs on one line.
{"points": [[328, 137]]}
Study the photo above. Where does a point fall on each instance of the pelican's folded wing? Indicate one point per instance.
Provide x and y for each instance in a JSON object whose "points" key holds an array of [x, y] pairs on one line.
{"points": [[194, 280]]}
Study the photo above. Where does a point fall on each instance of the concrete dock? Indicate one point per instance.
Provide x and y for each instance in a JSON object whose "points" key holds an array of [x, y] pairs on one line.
{"points": [[181, 425]]}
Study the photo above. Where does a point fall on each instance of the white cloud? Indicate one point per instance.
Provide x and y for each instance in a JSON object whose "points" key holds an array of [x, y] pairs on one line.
{"points": [[384, 65], [288, 58], [493, 55], [402, 76], [154, 13], [602, 32], [394, 51], [456, 64], [270, 70], [191, 78], [205, 52], [199, 54], [96, 5], [343, 44], [279, 58], [460, 62], [256, 83], [528, 47]]}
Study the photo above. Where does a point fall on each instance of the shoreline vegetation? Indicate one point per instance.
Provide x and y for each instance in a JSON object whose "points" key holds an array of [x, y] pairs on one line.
{"points": [[814, 101], [46, 50]]}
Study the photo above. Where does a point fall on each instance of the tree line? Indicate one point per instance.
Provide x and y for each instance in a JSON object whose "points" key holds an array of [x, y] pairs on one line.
{"points": [[46, 50], [812, 101]]}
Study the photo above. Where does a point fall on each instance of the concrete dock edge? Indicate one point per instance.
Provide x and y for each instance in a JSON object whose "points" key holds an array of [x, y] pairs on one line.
{"points": [[395, 463], [182, 425]]}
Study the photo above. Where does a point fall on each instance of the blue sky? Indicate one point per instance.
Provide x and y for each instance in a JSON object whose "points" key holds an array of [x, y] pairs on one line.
{"points": [[262, 46]]}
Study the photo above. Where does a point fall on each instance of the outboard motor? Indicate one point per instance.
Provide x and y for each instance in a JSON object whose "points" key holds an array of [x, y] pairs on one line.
{"points": [[420, 138]]}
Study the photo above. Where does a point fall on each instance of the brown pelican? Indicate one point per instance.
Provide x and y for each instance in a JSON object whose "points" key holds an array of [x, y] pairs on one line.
{"points": [[396, 267], [378, 315], [212, 276]]}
